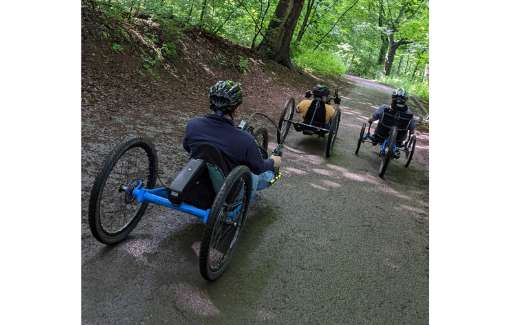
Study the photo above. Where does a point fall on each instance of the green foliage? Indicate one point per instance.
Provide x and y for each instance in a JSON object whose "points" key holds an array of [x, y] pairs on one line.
{"points": [[414, 88], [104, 35], [244, 64], [349, 35], [117, 48], [150, 63], [320, 61], [168, 50]]}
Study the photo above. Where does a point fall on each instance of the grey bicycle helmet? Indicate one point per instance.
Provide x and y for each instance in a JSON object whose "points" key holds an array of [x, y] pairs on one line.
{"points": [[225, 96], [320, 91], [399, 98]]}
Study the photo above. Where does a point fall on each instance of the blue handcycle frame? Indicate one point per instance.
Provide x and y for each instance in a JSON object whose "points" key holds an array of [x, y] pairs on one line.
{"points": [[382, 145], [159, 196]]}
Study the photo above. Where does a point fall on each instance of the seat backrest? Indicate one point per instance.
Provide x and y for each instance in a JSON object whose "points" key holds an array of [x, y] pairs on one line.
{"points": [[391, 118], [316, 114], [212, 155], [201, 178]]}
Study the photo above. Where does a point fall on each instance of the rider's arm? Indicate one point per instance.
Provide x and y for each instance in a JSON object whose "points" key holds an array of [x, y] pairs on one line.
{"points": [[412, 126], [254, 159], [377, 114]]}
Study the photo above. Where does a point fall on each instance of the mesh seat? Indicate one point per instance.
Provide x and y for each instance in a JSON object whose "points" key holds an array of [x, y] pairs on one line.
{"points": [[389, 119], [315, 116]]}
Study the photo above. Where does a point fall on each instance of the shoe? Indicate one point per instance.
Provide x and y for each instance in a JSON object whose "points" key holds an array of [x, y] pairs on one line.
{"points": [[275, 178]]}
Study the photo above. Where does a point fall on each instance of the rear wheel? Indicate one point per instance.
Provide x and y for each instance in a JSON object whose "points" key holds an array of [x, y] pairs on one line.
{"points": [[411, 145], [388, 152], [360, 139], [285, 118], [332, 134], [113, 212], [225, 222]]}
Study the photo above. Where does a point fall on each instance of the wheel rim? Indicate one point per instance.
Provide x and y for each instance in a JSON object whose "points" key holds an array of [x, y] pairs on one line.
{"points": [[361, 134], [410, 151], [117, 208], [227, 228], [284, 124], [383, 161], [336, 129]]}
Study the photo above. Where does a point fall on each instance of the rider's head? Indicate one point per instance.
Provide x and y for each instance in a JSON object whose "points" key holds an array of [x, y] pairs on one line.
{"points": [[320, 91], [398, 99], [225, 96]]}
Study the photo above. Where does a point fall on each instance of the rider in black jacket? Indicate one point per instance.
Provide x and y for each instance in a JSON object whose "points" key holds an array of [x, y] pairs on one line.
{"points": [[219, 130]]}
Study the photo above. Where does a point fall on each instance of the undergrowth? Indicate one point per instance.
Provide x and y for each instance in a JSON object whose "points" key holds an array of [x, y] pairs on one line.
{"points": [[329, 64], [414, 88]]}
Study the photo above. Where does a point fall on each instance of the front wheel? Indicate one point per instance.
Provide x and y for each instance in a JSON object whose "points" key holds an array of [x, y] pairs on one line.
{"points": [[388, 152], [225, 222], [410, 146], [360, 139], [113, 211]]}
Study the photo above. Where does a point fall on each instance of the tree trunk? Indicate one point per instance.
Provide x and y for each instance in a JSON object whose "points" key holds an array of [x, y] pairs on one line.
{"points": [[384, 38], [276, 42], [406, 69], [399, 64], [415, 69], [202, 12], [190, 12], [388, 63], [382, 50], [309, 7], [392, 50], [260, 23]]}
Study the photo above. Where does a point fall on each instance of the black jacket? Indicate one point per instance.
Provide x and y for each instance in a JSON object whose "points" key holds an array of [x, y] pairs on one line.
{"points": [[239, 146]]}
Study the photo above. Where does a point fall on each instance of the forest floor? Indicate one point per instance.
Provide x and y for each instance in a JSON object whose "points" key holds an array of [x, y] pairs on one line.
{"points": [[331, 243]]}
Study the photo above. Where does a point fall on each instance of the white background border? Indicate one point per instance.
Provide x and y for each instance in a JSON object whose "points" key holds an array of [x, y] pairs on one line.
{"points": [[40, 162]]}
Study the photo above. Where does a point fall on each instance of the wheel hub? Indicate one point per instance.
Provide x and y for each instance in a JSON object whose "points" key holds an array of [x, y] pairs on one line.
{"points": [[128, 191]]}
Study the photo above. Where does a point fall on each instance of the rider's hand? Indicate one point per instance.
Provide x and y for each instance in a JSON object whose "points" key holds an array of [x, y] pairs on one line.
{"points": [[337, 100], [308, 94], [277, 160]]}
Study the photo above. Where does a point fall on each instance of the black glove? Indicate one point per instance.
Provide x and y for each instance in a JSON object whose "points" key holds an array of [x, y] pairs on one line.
{"points": [[308, 94], [337, 100]]}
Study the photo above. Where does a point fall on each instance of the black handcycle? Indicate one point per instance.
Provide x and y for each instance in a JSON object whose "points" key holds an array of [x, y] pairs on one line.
{"points": [[312, 124], [391, 134]]}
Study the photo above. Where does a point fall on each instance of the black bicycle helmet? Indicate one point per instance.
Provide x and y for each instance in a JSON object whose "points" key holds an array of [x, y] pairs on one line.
{"points": [[399, 98], [225, 96], [320, 91]]}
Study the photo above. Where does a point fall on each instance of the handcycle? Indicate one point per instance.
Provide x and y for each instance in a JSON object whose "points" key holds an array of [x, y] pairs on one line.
{"points": [[207, 187], [310, 125], [391, 135]]}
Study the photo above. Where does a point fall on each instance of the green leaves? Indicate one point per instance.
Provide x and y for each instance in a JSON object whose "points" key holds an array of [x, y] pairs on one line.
{"points": [[350, 42]]}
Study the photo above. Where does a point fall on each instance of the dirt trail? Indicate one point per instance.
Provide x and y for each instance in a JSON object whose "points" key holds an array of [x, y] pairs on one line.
{"points": [[331, 243]]}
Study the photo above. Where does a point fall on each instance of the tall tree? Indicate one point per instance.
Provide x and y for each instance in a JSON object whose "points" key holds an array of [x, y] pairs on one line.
{"points": [[276, 43], [310, 6], [384, 39], [407, 11]]}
